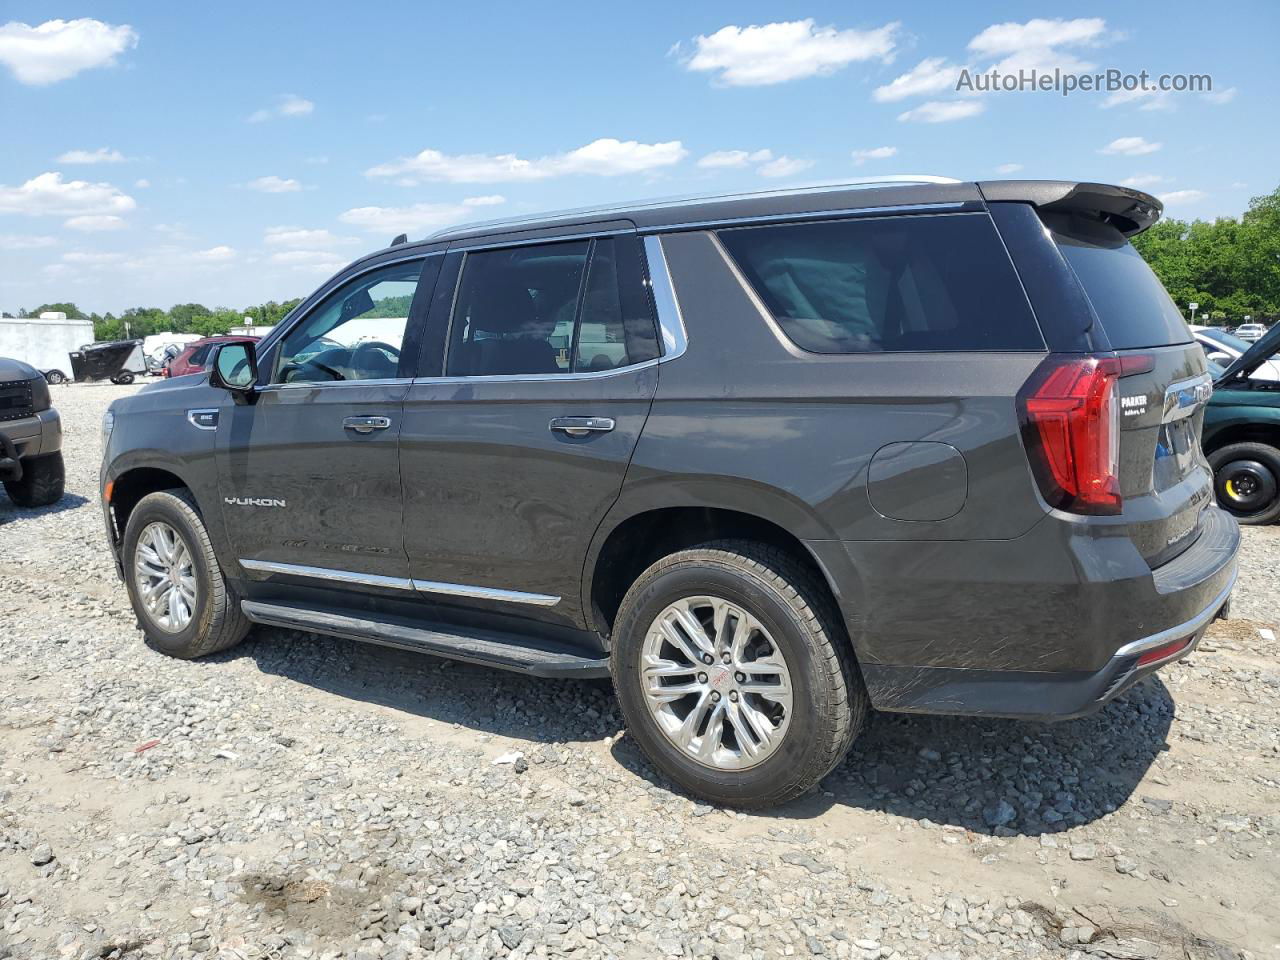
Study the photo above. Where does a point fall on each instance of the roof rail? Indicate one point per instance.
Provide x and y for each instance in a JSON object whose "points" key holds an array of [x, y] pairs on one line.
{"points": [[684, 200]]}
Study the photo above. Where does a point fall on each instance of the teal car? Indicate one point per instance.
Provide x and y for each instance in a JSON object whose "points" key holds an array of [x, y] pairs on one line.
{"points": [[1242, 435]]}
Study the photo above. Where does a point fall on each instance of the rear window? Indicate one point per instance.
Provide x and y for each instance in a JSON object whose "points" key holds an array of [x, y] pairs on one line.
{"points": [[890, 284], [1130, 301]]}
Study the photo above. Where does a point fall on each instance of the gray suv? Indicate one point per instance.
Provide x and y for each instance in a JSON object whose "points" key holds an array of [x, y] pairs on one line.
{"points": [[31, 467], [767, 461]]}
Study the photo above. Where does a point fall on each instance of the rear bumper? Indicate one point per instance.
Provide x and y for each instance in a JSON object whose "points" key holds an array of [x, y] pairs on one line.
{"points": [[1030, 695], [1051, 624]]}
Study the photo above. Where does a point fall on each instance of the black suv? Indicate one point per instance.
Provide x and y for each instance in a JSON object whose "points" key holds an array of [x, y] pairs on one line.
{"points": [[767, 461], [31, 466]]}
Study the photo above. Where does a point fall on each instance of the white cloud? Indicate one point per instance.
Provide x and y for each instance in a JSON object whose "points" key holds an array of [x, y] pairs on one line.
{"points": [[18, 241], [778, 52], [78, 256], [1009, 168], [274, 184], [1181, 197], [286, 105], [301, 238], [101, 155], [606, 157], [1013, 38], [932, 75], [1130, 147], [142, 184], [784, 166], [734, 158], [217, 254], [304, 257], [1144, 180], [415, 218], [943, 111], [488, 200], [49, 194], [316, 160], [59, 49], [1147, 99], [1221, 96], [874, 153], [95, 223]]}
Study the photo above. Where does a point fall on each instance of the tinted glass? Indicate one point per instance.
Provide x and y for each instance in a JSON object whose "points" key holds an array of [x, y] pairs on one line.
{"points": [[1226, 339], [199, 355], [551, 308], [889, 284], [355, 333], [1134, 308]]}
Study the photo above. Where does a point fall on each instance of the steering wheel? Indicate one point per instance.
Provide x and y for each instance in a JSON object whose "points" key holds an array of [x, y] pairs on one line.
{"points": [[360, 348]]}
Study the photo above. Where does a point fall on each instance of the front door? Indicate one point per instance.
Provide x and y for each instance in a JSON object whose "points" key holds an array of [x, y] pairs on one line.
{"points": [[309, 473], [511, 459]]}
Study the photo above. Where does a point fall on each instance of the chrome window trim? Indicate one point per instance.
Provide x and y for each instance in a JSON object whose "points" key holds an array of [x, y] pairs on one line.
{"points": [[480, 244], [541, 377], [675, 339], [302, 384], [192, 414], [399, 583], [890, 211]]}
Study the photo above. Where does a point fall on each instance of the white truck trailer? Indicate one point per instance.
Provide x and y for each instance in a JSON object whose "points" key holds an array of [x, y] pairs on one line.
{"points": [[45, 342]]}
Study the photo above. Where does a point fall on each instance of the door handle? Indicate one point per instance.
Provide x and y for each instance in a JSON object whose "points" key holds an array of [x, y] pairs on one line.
{"points": [[582, 426], [366, 424]]}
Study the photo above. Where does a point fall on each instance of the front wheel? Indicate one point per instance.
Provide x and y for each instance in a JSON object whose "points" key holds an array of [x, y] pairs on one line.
{"points": [[56, 377], [1246, 479], [184, 606], [734, 675], [123, 379]]}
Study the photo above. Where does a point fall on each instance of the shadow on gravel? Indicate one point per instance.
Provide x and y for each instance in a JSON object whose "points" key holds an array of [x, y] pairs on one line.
{"points": [[1002, 777], [481, 699], [10, 512]]}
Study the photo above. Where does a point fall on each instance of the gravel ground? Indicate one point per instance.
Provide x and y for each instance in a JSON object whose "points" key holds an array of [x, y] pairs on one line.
{"points": [[308, 797]]}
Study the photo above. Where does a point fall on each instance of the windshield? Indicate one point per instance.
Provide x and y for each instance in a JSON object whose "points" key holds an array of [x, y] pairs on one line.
{"points": [[1226, 339]]}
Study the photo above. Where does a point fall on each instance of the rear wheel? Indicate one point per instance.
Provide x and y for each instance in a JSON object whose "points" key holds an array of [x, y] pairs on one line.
{"points": [[1246, 479], [43, 481], [123, 379], [55, 377], [183, 605], [734, 675]]}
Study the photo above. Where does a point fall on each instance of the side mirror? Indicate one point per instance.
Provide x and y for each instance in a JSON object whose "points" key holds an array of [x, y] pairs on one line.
{"points": [[235, 368]]}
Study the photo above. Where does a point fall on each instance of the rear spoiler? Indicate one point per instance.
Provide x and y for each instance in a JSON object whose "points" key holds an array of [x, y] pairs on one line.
{"points": [[1129, 211]]}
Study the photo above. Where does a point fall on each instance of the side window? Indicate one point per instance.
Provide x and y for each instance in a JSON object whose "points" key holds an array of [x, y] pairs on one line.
{"points": [[355, 333], [570, 307], [199, 355], [919, 283]]}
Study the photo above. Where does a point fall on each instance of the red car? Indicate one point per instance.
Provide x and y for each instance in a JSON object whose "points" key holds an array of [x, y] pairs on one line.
{"points": [[195, 355]]}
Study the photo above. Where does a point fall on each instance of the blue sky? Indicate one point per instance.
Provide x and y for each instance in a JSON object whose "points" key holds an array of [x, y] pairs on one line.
{"points": [[235, 153]]}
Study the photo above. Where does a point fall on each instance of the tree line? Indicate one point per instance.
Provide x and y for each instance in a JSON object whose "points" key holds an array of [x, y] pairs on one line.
{"points": [[138, 322], [1230, 267]]}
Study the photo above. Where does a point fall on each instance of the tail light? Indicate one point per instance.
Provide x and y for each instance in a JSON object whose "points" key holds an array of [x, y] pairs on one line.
{"points": [[1071, 429]]}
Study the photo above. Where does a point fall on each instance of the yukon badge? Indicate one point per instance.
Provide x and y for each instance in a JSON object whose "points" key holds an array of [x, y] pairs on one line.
{"points": [[253, 502]]}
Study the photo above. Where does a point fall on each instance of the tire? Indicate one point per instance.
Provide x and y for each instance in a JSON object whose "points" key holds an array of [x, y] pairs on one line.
{"points": [[123, 379], [43, 481], [56, 377], [1246, 480], [796, 618], [214, 619]]}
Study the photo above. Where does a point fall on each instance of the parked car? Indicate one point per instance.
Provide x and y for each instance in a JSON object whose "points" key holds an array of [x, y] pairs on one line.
{"points": [[194, 357], [1242, 434], [1223, 349], [927, 446], [1250, 331], [30, 437]]}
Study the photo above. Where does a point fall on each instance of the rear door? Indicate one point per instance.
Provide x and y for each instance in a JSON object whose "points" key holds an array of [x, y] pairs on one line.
{"points": [[1165, 480], [512, 457]]}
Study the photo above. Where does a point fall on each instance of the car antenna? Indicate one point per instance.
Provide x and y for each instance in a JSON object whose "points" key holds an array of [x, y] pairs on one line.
{"points": [[400, 238]]}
